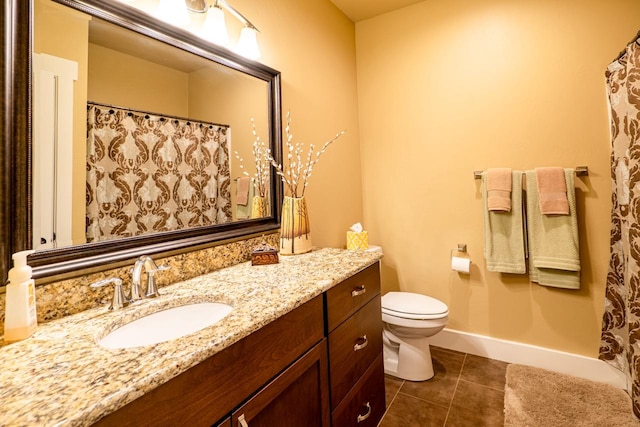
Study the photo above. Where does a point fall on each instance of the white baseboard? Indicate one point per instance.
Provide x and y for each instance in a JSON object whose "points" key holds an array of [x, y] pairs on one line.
{"points": [[525, 354]]}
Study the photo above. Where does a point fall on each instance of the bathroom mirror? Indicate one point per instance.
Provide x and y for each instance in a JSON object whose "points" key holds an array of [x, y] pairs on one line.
{"points": [[121, 72]]}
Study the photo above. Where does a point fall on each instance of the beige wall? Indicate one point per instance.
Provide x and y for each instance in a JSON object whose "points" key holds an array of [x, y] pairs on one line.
{"points": [[446, 88], [313, 45]]}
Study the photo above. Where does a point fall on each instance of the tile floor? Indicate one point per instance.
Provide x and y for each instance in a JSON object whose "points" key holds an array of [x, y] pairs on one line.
{"points": [[466, 391]]}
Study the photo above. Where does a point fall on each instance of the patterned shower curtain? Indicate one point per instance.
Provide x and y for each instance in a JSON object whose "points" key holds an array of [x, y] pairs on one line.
{"points": [[147, 173], [620, 342]]}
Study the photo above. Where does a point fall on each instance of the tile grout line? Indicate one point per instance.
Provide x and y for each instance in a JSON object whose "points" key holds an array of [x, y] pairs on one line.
{"points": [[422, 399], [396, 394], [455, 390], [482, 385], [386, 410]]}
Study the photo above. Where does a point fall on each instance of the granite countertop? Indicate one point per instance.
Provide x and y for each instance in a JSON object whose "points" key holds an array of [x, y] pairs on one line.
{"points": [[60, 376]]}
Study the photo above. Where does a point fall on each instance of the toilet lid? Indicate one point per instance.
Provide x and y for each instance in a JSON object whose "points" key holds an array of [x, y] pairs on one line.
{"points": [[413, 306]]}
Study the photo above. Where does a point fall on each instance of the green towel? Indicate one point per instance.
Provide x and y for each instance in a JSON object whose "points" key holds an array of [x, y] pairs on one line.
{"points": [[504, 248], [554, 254]]}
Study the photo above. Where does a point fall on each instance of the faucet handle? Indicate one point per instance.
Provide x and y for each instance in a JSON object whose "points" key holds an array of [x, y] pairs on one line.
{"points": [[119, 301], [152, 289]]}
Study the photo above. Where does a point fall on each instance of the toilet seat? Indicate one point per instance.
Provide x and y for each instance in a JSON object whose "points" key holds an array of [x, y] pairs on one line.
{"points": [[408, 305]]}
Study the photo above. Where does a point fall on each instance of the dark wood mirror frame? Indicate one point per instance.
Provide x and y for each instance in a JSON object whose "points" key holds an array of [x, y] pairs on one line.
{"points": [[15, 150]]}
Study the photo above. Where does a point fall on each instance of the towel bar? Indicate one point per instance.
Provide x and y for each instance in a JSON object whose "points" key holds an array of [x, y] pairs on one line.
{"points": [[580, 171]]}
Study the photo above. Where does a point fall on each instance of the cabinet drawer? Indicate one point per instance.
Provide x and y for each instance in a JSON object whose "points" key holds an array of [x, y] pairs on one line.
{"points": [[346, 298], [353, 346], [364, 406]]}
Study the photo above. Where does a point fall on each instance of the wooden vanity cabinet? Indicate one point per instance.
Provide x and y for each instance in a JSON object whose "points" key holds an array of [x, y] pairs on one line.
{"points": [[354, 326], [319, 365], [211, 390]]}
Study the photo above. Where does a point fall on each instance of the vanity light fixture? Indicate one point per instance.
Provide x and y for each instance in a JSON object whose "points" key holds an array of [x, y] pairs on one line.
{"points": [[172, 11], [215, 29], [248, 43]]}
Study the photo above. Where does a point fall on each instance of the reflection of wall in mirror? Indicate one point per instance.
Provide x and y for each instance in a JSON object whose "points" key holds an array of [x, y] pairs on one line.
{"points": [[234, 99], [122, 80], [62, 32]]}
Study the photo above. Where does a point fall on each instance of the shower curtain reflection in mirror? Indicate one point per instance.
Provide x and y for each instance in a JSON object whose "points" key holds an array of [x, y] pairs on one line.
{"points": [[149, 173]]}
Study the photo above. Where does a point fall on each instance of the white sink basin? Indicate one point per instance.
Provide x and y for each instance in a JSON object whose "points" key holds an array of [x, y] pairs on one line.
{"points": [[166, 325]]}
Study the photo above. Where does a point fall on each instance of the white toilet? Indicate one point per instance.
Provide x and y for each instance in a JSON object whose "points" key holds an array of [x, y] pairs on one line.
{"points": [[408, 321]]}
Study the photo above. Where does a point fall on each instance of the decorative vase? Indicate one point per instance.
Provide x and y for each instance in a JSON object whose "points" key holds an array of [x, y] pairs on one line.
{"points": [[259, 207], [295, 232]]}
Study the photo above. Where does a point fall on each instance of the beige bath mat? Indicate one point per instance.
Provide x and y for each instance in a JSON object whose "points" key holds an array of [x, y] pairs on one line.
{"points": [[536, 397]]}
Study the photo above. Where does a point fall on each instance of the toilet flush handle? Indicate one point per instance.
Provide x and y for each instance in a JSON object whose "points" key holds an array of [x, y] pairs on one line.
{"points": [[358, 291]]}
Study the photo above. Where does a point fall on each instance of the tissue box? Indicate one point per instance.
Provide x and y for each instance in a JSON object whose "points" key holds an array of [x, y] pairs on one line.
{"points": [[357, 241]]}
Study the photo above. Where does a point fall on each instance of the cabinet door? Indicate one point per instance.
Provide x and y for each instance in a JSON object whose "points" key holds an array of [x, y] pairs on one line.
{"points": [[297, 397]]}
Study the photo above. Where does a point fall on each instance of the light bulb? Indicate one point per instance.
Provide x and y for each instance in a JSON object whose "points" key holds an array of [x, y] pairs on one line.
{"points": [[248, 43], [173, 12], [214, 28]]}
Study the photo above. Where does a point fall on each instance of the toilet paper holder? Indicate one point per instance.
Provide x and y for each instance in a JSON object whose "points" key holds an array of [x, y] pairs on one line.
{"points": [[462, 248], [462, 263]]}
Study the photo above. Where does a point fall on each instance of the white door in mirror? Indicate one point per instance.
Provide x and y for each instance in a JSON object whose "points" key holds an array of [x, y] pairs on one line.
{"points": [[166, 325]]}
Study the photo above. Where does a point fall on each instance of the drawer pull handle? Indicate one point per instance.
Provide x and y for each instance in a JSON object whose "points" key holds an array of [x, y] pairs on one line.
{"points": [[360, 346], [358, 291], [242, 421], [361, 418]]}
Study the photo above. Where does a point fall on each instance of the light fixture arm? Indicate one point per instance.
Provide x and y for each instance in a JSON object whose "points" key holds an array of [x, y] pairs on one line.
{"points": [[235, 13], [200, 6]]}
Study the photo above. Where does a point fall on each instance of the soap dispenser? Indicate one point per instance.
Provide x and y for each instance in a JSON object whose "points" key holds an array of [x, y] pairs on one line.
{"points": [[20, 319]]}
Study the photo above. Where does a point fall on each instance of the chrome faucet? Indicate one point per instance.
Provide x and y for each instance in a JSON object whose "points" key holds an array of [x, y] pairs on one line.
{"points": [[151, 269], [119, 299]]}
